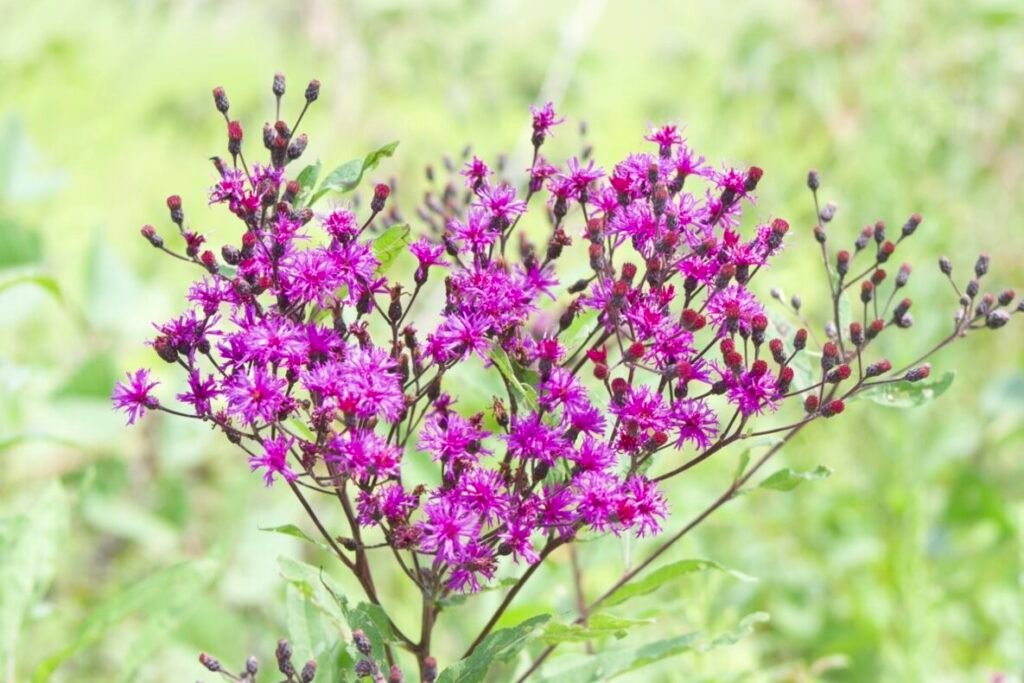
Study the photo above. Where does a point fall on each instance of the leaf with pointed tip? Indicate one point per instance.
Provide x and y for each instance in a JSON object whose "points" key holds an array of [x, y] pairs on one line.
{"points": [[666, 574], [389, 245], [346, 177], [904, 394], [600, 625], [788, 479], [499, 646]]}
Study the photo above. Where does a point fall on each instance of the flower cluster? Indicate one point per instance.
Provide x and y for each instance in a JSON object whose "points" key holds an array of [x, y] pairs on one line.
{"points": [[299, 347], [283, 654]]}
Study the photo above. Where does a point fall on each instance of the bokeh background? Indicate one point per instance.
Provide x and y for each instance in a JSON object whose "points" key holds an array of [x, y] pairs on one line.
{"points": [[123, 552]]}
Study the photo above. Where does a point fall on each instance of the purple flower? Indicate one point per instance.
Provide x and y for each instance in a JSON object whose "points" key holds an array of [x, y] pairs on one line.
{"points": [[134, 397], [476, 561], [732, 309], [544, 119], [363, 455], [274, 460], [255, 396], [447, 530], [200, 392], [694, 421], [476, 172], [501, 202]]}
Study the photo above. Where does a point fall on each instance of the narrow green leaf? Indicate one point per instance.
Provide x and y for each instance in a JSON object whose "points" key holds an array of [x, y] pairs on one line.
{"points": [[499, 646], [294, 532], [346, 177], [608, 664], [94, 378], [788, 479], [389, 245], [167, 591], [742, 630], [598, 626], [12, 279], [30, 543], [579, 330], [905, 394], [668, 573], [525, 394], [307, 183]]}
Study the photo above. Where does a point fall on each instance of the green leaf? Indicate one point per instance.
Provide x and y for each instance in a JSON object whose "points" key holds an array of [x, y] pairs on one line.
{"points": [[579, 330], [321, 592], [607, 664], [598, 626], [499, 646], [11, 279], [18, 245], [346, 177], [307, 183], [766, 441], [389, 245], [668, 573], [168, 592], [742, 630], [94, 378], [788, 479], [525, 394], [310, 631], [294, 532], [30, 543], [904, 394]]}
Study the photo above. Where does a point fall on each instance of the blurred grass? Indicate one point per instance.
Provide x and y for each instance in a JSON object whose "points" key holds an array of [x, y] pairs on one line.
{"points": [[905, 565]]}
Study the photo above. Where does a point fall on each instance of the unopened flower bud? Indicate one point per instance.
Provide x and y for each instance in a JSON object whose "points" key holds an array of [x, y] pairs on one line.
{"points": [[312, 91], [800, 339], [754, 175], [381, 192], [911, 225], [867, 291], [878, 368], [918, 373], [903, 275], [885, 251], [220, 100], [811, 403], [843, 262], [945, 265], [297, 146], [981, 265], [278, 86], [996, 319], [856, 333], [177, 213], [209, 662], [828, 212], [251, 666], [972, 288], [149, 232], [833, 408], [813, 180], [429, 670], [362, 643], [308, 672]]}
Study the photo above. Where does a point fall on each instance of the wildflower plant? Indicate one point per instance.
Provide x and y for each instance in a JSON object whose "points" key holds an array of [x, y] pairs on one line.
{"points": [[329, 371]]}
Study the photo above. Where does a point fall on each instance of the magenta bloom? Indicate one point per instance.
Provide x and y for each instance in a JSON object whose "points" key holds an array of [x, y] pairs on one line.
{"points": [[274, 460], [447, 530], [544, 119], [134, 397]]}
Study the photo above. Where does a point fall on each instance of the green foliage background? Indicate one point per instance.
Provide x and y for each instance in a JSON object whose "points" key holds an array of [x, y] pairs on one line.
{"points": [[125, 552]]}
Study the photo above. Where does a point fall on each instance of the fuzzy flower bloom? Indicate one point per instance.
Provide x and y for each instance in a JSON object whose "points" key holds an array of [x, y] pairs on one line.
{"points": [[134, 397], [274, 461]]}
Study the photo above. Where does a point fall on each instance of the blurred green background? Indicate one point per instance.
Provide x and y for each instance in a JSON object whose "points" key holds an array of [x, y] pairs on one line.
{"points": [[123, 552]]}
